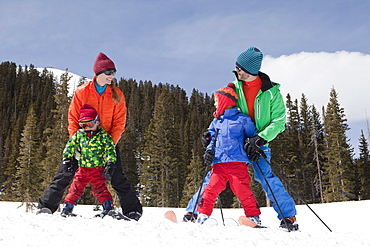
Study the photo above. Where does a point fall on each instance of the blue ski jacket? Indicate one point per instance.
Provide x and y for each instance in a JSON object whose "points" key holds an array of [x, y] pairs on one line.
{"points": [[233, 128]]}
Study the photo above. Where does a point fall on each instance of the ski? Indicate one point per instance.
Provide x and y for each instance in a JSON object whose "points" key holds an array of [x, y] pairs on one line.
{"points": [[210, 222], [171, 216], [230, 222], [114, 214], [69, 215], [118, 216], [244, 221]]}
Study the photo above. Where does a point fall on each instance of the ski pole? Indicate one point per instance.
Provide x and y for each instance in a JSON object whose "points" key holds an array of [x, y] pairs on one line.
{"points": [[273, 195], [291, 187], [222, 214], [205, 174], [199, 191]]}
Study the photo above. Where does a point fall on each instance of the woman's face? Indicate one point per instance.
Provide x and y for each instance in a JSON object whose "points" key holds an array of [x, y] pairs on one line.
{"points": [[104, 79]]}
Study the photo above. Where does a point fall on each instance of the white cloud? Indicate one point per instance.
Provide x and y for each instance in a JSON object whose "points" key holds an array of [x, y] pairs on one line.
{"points": [[315, 74]]}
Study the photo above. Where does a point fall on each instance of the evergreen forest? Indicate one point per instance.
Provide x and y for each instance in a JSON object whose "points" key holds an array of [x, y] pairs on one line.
{"points": [[161, 149]]}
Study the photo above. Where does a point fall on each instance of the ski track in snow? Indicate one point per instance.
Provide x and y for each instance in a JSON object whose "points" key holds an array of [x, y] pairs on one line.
{"points": [[18, 228]]}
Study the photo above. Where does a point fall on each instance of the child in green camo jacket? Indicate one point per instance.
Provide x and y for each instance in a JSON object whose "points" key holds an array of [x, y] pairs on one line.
{"points": [[97, 156]]}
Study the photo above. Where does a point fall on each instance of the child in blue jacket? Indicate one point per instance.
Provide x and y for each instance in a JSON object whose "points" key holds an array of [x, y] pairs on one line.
{"points": [[226, 153]]}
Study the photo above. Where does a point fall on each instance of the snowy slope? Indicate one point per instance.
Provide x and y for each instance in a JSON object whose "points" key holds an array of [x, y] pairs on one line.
{"points": [[347, 220], [73, 82]]}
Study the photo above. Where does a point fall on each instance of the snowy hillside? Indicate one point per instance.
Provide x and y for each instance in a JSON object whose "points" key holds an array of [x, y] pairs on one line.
{"points": [[347, 220], [73, 82]]}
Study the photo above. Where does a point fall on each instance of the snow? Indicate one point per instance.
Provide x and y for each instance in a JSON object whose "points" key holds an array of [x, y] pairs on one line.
{"points": [[347, 220]]}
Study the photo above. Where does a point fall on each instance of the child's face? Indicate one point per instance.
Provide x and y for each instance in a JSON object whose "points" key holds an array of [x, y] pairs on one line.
{"points": [[216, 102], [90, 125]]}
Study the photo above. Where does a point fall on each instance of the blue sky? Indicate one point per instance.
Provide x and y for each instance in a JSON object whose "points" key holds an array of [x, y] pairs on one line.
{"points": [[192, 44], [180, 42]]}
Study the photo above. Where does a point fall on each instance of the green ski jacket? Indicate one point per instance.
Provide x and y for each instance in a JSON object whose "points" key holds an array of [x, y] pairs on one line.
{"points": [[269, 107], [94, 151]]}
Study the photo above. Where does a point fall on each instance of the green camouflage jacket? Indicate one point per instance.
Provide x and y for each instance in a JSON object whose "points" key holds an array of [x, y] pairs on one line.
{"points": [[94, 151]]}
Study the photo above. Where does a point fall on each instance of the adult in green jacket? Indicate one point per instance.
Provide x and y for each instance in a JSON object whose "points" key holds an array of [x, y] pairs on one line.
{"points": [[262, 101]]}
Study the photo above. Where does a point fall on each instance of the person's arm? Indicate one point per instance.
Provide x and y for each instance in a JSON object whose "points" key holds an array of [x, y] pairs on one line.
{"points": [[119, 119], [74, 114], [250, 129], [278, 118], [110, 151], [212, 131], [70, 148]]}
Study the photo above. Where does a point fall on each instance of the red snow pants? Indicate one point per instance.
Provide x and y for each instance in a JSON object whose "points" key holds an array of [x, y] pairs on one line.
{"points": [[82, 178], [237, 175]]}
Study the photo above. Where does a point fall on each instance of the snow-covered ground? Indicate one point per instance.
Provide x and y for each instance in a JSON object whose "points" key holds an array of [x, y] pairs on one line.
{"points": [[348, 221]]}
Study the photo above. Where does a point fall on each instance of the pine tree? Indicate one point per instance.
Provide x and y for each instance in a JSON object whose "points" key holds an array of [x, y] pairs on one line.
{"points": [[291, 143], [140, 102], [338, 164], [306, 169], [11, 153], [317, 142], [197, 121], [159, 174], [7, 81], [57, 133], [28, 181], [363, 164]]}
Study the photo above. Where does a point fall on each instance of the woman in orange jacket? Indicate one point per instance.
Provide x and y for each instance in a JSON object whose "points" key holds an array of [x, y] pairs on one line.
{"points": [[109, 101]]}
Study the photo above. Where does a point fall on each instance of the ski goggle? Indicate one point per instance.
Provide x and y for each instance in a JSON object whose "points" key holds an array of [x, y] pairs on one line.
{"points": [[89, 123], [109, 72]]}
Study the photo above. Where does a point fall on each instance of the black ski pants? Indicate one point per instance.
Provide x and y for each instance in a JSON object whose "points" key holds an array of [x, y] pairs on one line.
{"points": [[53, 194]]}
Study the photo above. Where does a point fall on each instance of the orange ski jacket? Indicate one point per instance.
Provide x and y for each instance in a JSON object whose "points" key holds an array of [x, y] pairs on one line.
{"points": [[112, 117]]}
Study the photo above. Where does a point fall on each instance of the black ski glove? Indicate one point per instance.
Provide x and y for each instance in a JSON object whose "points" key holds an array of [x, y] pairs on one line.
{"points": [[206, 139], [252, 147], [108, 171], [208, 156], [67, 167]]}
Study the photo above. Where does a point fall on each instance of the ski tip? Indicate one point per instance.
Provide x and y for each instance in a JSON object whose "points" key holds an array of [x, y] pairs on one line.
{"points": [[244, 221], [170, 215]]}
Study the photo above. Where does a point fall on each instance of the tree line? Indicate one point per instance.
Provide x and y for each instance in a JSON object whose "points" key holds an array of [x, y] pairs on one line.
{"points": [[161, 149]]}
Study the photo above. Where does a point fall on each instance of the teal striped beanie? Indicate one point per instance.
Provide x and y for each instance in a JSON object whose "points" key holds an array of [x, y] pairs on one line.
{"points": [[250, 60]]}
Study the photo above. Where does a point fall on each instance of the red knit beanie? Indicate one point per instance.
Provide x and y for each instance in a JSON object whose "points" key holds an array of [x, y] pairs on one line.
{"points": [[102, 62], [226, 97], [87, 112]]}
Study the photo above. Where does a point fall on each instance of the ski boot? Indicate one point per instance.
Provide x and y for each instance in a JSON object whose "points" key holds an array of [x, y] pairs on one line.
{"points": [[289, 223], [190, 217], [107, 206], [255, 219], [43, 211], [202, 218], [67, 210], [134, 215]]}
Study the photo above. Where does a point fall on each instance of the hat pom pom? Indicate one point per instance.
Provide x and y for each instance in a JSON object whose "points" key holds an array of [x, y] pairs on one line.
{"points": [[232, 85]]}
